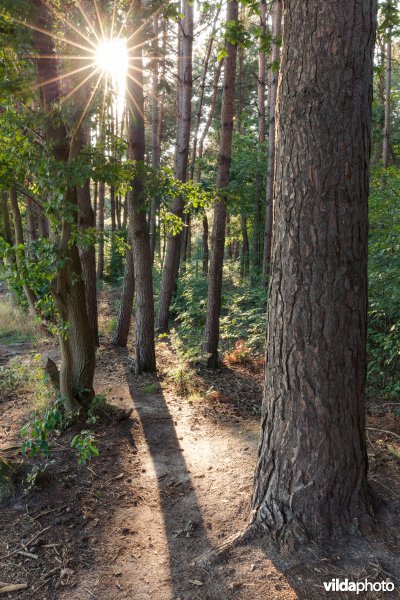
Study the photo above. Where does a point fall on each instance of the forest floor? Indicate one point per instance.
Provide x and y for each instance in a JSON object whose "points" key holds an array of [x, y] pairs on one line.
{"points": [[172, 482]]}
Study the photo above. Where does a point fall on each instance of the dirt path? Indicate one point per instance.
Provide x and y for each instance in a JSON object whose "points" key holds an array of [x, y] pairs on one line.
{"points": [[192, 483], [171, 483]]}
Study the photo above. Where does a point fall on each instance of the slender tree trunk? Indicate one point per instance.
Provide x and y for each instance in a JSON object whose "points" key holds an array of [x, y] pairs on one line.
{"points": [[20, 252], [44, 226], [171, 263], [120, 337], [100, 227], [261, 87], [205, 244], [218, 234], [388, 89], [6, 219], [245, 264], [112, 208], [125, 213], [88, 258], [197, 173], [199, 112], [155, 140], [275, 55], [311, 477], [95, 201], [118, 211], [210, 118], [31, 220], [145, 347]]}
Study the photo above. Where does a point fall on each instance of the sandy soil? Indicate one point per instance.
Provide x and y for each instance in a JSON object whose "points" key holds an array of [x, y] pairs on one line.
{"points": [[171, 483]]}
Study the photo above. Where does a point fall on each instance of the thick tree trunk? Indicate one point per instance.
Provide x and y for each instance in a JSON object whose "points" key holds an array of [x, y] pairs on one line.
{"points": [[145, 347], [120, 337], [78, 345], [185, 83], [218, 233], [274, 71], [311, 477], [76, 339]]}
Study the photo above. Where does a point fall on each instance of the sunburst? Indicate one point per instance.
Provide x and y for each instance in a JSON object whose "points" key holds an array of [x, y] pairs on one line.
{"points": [[108, 56]]}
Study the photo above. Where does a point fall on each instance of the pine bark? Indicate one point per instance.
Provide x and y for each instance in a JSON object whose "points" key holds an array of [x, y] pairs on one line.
{"points": [[88, 258], [220, 212], [388, 90], [274, 75], [100, 227], [261, 95], [311, 476], [120, 337], [155, 140], [138, 229], [185, 84]]}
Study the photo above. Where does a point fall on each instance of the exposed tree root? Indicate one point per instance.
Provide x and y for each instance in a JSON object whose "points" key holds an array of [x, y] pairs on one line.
{"points": [[218, 554]]}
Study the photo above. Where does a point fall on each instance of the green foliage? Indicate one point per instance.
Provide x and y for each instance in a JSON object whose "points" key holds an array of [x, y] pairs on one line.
{"points": [[85, 445], [97, 406], [38, 430], [12, 375], [384, 290], [243, 311]]}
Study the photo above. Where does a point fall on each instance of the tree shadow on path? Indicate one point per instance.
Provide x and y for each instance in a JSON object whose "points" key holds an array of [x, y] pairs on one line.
{"points": [[185, 530]]}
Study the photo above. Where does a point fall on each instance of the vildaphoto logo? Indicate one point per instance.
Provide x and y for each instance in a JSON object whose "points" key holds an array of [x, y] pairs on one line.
{"points": [[345, 585]]}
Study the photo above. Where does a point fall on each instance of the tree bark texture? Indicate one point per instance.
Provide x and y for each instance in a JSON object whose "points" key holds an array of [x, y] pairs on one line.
{"points": [[155, 140], [388, 90], [262, 131], [311, 476], [6, 219], [185, 84], [220, 213], [120, 337], [100, 226], [88, 257], [274, 75], [68, 289], [138, 230], [205, 244], [20, 251]]}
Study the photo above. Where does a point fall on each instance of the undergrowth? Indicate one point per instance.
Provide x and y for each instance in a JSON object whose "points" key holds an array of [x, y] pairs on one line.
{"points": [[15, 326]]}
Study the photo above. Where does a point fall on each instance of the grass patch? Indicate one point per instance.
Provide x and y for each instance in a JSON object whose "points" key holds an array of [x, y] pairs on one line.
{"points": [[150, 389], [15, 326]]}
